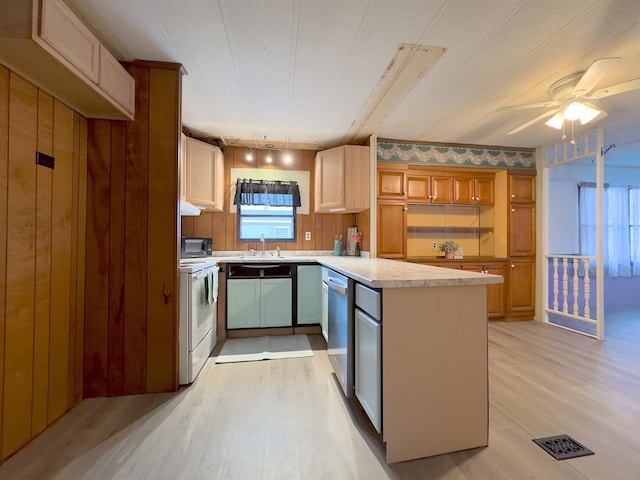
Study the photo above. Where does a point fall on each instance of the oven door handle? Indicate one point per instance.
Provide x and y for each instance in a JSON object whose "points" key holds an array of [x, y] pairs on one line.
{"points": [[336, 285]]}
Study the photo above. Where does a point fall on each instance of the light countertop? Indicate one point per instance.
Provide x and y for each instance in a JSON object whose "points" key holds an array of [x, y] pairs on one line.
{"points": [[382, 273], [378, 272]]}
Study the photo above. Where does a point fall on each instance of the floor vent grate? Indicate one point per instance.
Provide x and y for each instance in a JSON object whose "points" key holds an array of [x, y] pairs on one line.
{"points": [[562, 447]]}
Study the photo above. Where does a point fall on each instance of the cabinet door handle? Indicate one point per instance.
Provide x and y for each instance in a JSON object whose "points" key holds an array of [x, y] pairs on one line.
{"points": [[513, 195], [405, 209], [513, 265], [513, 210]]}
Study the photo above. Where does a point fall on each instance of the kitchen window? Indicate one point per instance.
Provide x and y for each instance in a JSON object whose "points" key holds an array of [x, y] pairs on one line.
{"points": [[266, 207]]}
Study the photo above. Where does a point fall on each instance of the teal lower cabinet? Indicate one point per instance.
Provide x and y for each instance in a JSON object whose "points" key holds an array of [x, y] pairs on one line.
{"points": [[309, 295], [243, 303], [259, 303], [275, 302]]}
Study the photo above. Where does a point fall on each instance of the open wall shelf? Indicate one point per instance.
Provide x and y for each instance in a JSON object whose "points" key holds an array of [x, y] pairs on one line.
{"points": [[446, 229]]}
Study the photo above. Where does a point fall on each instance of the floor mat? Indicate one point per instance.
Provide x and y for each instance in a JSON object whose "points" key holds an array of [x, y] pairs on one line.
{"points": [[264, 348], [562, 447]]}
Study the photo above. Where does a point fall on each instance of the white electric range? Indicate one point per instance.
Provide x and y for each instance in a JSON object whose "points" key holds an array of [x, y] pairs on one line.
{"points": [[198, 305]]}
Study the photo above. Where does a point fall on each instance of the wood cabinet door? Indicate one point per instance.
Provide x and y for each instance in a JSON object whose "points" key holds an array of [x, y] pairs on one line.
{"points": [[116, 81], [205, 175], [463, 193], [522, 230], [496, 292], [392, 230], [183, 166], [521, 287], [418, 188], [329, 181], [65, 32], [484, 190], [441, 190], [391, 182], [522, 188]]}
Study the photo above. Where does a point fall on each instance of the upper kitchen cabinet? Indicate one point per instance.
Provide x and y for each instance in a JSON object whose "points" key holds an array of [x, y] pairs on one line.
{"points": [[522, 188], [425, 186], [392, 181], [204, 175], [45, 42], [473, 189], [342, 179], [415, 185]]}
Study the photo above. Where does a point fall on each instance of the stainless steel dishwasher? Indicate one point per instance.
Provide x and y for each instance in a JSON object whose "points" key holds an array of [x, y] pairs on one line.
{"points": [[340, 344]]}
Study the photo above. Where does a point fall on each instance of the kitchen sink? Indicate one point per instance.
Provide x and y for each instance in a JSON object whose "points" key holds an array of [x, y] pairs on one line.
{"points": [[259, 258]]}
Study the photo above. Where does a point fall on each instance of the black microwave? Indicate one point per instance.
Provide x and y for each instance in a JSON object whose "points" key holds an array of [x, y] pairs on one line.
{"points": [[193, 247]]}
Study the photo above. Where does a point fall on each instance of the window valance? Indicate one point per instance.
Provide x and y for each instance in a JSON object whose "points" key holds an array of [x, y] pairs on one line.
{"points": [[267, 192]]}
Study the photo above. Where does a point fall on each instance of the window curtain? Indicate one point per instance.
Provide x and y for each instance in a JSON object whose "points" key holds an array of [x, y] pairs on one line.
{"points": [[587, 209], [634, 216], [617, 246], [621, 236], [275, 193]]}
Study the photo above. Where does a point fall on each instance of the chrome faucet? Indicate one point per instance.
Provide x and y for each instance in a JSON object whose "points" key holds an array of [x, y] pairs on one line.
{"points": [[262, 241]]}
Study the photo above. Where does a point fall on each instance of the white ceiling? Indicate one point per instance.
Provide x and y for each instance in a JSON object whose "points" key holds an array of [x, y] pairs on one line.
{"points": [[292, 72]]}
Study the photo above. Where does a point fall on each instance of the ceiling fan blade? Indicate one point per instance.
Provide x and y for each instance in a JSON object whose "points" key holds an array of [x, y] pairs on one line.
{"points": [[535, 120], [616, 89], [593, 75], [509, 108]]}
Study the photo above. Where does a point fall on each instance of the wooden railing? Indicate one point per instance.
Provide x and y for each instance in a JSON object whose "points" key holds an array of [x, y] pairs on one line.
{"points": [[571, 277]]}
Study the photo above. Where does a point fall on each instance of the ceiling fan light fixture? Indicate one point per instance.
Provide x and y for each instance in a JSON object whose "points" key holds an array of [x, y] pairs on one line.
{"points": [[556, 121], [574, 111], [589, 114]]}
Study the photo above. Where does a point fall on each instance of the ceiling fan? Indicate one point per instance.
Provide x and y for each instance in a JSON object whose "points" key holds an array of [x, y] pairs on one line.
{"points": [[571, 94]]}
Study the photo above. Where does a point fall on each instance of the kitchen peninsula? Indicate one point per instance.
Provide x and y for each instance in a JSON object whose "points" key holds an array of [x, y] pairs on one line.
{"points": [[434, 352], [435, 395]]}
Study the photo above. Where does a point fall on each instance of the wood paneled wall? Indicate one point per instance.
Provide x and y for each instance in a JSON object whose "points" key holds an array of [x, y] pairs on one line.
{"points": [[132, 241], [42, 246], [223, 227]]}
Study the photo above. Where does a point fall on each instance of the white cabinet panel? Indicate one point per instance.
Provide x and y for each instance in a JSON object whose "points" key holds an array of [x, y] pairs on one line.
{"points": [[309, 295], [368, 366]]}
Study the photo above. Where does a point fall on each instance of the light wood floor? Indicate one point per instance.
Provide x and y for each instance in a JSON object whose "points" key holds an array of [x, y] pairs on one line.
{"points": [[286, 419]]}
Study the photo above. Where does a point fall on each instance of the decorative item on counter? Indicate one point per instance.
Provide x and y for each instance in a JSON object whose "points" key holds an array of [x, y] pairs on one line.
{"points": [[351, 244], [449, 248], [458, 255], [337, 246], [357, 238]]}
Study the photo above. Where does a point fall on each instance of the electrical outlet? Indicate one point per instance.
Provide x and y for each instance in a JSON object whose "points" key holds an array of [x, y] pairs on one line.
{"points": [[307, 235], [434, 245]]}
